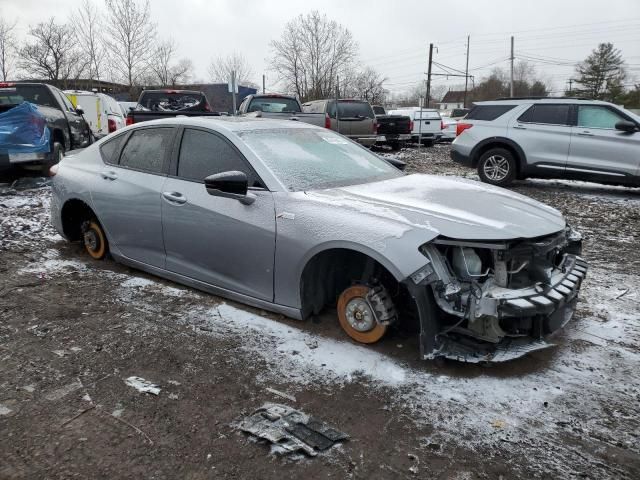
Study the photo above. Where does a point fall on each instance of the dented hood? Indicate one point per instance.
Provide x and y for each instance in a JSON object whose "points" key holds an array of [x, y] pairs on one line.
{"points": [[449, 206]]}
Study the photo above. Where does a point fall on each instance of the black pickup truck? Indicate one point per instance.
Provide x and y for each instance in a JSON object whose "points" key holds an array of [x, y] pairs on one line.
{"points": [[155, 104], [50, 108], [393, 130]]}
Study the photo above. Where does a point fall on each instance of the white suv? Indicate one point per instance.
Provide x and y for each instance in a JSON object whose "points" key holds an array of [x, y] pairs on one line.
{"points": [[554, 137]]}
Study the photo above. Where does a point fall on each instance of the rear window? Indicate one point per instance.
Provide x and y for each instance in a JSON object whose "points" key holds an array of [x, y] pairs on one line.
{"points": [[173, 101], [147, 149], [550, 114], [488, 112], [274, 105], [36, 94], [351, 110], [378, 110]]}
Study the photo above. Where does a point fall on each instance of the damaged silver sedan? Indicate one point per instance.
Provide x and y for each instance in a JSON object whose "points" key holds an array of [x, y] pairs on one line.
{"points": [[297, 219]]}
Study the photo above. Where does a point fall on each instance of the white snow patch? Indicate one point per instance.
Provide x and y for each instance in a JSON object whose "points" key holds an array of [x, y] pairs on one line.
{"points": [[5, 410], [138, 282], [142, 385]]}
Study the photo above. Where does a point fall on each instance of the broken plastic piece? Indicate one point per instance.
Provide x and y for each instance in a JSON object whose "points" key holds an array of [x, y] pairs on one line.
{"points": [[291, 430]]}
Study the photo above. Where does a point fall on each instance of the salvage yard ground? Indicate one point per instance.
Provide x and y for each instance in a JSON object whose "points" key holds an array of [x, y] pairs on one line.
{"points": [[74, 331]]}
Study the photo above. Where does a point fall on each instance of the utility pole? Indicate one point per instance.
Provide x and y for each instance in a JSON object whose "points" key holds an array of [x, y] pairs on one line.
{"points": [[427, 99], [570, 85], [337, 97], [263, 81], [511, 84], [466, 74], [233, 90]]}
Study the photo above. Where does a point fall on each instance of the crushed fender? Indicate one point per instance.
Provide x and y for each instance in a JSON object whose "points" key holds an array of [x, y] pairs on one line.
{"points": [[291, 430]]}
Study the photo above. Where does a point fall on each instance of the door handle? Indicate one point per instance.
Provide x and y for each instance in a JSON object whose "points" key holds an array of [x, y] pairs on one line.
{"points": [[109, 175], [175, 197], [519, 127], [586, 134]]}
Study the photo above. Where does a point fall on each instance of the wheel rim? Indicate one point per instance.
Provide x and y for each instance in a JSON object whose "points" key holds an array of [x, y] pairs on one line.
{"points": [[359, 315], [496, 168]]}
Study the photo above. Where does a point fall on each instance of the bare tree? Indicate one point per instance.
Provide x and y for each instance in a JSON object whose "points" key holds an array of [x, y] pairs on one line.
{"points": [[311, 53], [8, 47], [220, 69], [366, 85], [53, 54], [165, 70], [182, 72], [86, 26], [130, 37]]}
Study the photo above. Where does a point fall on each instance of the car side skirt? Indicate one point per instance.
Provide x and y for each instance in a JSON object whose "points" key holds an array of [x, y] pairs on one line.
{"points": [[291, 312]]}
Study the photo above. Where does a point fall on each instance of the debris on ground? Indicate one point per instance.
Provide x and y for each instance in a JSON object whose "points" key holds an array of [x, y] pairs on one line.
{"points": [[280, 394], [142, 385], [291, 430]]}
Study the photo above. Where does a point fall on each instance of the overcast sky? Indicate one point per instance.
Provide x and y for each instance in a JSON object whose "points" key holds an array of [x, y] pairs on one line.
{"points": [[393, 36]]}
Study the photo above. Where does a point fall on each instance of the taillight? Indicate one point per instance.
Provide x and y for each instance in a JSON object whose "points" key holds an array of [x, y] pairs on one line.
{"points": [[207, 108], [53, 170], [129, 119], [442, 125], [112, 125], [375, 128], [327, 121], [411, 125], [461, 127]]}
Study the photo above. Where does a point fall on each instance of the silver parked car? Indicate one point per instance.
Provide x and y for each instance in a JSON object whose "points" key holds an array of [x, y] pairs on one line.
{"points": [[296, 219], [550, 138]]}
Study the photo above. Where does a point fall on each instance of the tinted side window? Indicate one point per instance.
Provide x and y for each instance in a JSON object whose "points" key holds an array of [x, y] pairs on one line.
{"points": [[598, 117], [110, 149], [549, 114], [147, 149], [204, 153], [355, 110], [488, 112]]}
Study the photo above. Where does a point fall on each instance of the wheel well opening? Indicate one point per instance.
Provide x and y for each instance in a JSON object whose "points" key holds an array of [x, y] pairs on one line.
{"points": [[74, 214], [330, 272], [506, 146], [57, 136]]}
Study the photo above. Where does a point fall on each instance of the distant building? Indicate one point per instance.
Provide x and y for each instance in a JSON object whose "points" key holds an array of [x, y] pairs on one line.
{"points": [[452, 99]]}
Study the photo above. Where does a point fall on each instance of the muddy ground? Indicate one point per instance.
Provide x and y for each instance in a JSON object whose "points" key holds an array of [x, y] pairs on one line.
{"points": [[72, 330]]}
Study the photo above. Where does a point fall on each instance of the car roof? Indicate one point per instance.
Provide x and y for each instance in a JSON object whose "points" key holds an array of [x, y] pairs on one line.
{"points": [[232, 124], [529, 101]]}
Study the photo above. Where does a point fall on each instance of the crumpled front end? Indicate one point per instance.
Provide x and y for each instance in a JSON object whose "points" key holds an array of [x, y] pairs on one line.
{"points": [[495, 301]]}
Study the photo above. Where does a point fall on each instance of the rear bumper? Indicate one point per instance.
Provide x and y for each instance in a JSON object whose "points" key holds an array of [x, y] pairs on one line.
{"points": [[367, 141], [461, 158], [394, 137], [9, 159]]}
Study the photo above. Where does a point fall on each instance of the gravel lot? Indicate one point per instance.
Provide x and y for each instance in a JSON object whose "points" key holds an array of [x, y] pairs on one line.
{"points": [[73, 330]]}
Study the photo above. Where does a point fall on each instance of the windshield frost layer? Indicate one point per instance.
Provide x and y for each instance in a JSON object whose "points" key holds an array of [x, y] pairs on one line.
{"points": [[307, 159]]}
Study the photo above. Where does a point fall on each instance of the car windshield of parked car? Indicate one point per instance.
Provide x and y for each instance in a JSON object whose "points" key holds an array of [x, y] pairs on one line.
{"points": [[309, 159], [274, 105]]}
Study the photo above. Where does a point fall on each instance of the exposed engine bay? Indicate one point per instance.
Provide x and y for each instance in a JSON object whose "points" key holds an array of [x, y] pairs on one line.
{"points": [[501, 298]]}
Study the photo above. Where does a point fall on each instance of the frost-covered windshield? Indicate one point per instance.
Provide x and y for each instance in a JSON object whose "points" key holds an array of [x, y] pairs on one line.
{"points": [[308, 159]]}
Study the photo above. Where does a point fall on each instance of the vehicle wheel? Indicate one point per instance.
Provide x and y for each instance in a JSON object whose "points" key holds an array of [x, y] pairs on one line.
{"points": [[94, 239], [356, 317], [497, 167], [57, 154], [395, 146]]}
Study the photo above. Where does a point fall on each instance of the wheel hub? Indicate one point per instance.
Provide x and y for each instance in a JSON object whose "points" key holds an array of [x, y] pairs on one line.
{"points": [[359, 315], [496, 168], [91, 240]]}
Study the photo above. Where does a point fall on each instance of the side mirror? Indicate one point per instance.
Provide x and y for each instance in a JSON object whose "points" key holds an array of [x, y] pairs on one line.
{"points": [[79, 110], [626, 126], [232, 184]]}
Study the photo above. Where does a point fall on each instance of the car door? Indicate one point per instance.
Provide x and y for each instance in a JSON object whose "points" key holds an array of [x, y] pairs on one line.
{"points": [[217, 240], [78, 127], [126, 194], [543, 132], [597, 148], [358, 118]]}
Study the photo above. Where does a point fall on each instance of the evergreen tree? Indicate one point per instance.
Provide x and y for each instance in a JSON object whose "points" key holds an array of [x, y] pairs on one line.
{"points": [[601, 75]]}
